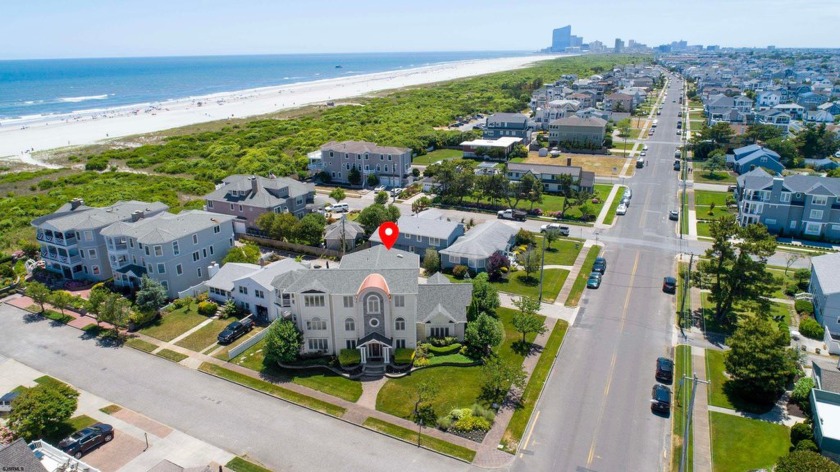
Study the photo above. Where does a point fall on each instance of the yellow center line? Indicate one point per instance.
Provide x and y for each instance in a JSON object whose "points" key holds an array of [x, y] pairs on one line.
{"points": [[591, 456]]}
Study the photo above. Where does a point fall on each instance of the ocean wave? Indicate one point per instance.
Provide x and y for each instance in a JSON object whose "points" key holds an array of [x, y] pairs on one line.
{"points": [[82, 99]]}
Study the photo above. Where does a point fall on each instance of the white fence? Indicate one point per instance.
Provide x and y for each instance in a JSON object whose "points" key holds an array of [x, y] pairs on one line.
{"points": [[193, 291], [247, 344]]}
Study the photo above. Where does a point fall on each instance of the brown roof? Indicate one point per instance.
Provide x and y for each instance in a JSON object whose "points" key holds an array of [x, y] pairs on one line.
{"points": [[362, 147]]}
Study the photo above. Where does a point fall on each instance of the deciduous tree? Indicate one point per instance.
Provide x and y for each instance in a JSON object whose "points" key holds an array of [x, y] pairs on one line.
{"points": [[759, 360], [283, 342], [498, 377], [247, 253], [39, 293], [40, 410], [61, 299], [431, 261], [526, 320], [806, 461], [115, 310], [151, 296], [381, 198], [495, 265], [530, 262], [338, 194], [485, 297], [484, 333]]}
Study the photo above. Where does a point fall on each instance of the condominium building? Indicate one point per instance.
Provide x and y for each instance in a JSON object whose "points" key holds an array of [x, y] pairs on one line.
{"points": [[392, 165]]}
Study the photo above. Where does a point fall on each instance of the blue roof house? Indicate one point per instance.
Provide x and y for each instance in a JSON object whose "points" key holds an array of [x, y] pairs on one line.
{"points": [[747, 158]]}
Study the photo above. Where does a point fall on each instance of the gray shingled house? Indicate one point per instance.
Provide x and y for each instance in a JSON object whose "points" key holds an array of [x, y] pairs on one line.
{"points": [[796, 205], [247, 197], [373, 302], [503, 125], [428, 230], [392, 165], [549, 175], [825, 288], [353, 233], [477, 245]]}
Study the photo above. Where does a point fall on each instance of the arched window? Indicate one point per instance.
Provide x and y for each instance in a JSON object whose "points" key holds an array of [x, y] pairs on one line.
{"points": [[316, 324], [349, 324], [373, 305], [399, 324]]}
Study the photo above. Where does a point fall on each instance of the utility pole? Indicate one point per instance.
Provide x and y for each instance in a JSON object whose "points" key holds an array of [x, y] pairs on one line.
{"points": [[689, 413], [542, 263]]}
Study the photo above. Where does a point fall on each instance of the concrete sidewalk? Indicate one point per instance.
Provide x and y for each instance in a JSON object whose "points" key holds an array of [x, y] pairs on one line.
{"points": [[702, 435]]}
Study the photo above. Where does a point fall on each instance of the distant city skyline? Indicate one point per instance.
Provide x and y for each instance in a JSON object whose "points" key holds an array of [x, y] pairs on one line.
{"points": [[102, 28]]}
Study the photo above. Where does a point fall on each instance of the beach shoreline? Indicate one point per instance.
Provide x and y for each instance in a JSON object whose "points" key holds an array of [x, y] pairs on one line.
{"points": [[20, 137]]}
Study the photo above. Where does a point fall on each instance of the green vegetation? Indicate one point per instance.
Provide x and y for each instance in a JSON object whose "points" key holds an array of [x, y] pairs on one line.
{"points": [[459, 387], [682, 395], [51, 381], [141, 345], [561, 252], [732, 453], [610, 216], [715, 372], [171, 355], [519, 420], [238, 464], [437, 155], [110, 409], [429, 442], [580, 281], [69, 427], [272, 389], [206, 336], [174, 323], [316, 379], [519, 284]]}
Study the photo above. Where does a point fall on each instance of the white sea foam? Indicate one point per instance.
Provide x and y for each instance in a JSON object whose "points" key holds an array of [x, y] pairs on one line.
{"points": [[82, 99]]}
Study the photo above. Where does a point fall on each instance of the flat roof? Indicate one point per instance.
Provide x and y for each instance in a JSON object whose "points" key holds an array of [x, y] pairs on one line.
{"points": [[500, 142], [829, 415]]}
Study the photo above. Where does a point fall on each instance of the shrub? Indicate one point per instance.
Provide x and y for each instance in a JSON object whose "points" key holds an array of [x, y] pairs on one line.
{"points": [[349, 357], [459, 271], [207, 308], [486, 413], [790, 290], [141, 317], [445, 341], [802, 390], [421, 362], [810, 328], [807, 445], [801, 432], [444, 422], [471, 423], [804, 307], [445, 350], [202, 297], [403, 355], [183, 302]]}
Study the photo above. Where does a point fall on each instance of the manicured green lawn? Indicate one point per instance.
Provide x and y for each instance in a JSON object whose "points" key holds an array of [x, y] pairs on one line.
{"points": [[518, 284], [459, 387], [707, 197], [682, 395], [553, 203], [610, 216], [410, 435], [580, 281], [715, 373], [784, 281], [171, 355], [740, 444], [69, 427], [510, 350], [703, 229], [458, 358], [50, 314], [316, 379], [719, 177], [110, 409], [561, 252], [437, 155], [174, 323], [238, 464], [47, 380], [140, 345], [205, 336], [519, 420], [272, 389]]}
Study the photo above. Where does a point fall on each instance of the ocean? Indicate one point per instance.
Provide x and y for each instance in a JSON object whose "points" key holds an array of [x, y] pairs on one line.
{"points": [[30, 88]]}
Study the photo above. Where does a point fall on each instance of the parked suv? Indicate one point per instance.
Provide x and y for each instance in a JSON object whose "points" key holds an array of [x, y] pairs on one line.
{"points": [[600, 265], [561, 230], [664, 370], [669, 285], [661, 399], [235, 330], [84, 441]]}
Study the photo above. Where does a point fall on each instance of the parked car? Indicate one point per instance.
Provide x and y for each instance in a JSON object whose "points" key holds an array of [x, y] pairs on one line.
{"points": [[664, 370], [395, 192], [600, 265], [234, 330], [561, 230], [621, 210], [594, 280], [380, 188], [511, 214], [338, 208], [673, 215], [676, 165], [643, 153], [84, 441], [628, 193], [660, 399], [669, 285]]}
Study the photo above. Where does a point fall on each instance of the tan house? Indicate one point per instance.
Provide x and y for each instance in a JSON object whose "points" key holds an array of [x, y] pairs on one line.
{"points": [[618, 102], [576, 132]]}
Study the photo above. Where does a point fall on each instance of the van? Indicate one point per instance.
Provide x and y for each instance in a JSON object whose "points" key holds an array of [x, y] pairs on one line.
{"points": [[640, 162], [339, 208]]}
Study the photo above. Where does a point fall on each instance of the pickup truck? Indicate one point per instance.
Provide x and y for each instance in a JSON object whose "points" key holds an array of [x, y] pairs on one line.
{"points": [[510, 214], [235, 330], [561, 230]]}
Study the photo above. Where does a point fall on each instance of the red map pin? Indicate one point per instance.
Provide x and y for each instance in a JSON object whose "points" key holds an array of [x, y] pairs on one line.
{"points": [[388, 233]]}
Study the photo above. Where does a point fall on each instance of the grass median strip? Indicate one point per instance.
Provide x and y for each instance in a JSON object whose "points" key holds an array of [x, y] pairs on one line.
{"points": [[273, 390], [519, 420], [171, 355], [682, 368], [429, 442], [583, 276], [608, 220], [110, 409], [238, 464], [141, 345]]}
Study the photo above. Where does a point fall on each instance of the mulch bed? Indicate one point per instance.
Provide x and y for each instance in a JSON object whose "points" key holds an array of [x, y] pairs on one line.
{"points": [[477, 436]]}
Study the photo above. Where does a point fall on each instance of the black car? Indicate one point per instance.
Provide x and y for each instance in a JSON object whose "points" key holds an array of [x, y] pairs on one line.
{"points": [[84, 441], [669, 285], [235, 330], [660, 399], [664, 370], [594, 280], [600, 265], [676, 165], [673, 215]]}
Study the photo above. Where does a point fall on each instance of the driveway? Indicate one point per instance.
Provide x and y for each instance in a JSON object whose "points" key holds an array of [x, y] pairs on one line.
{"points": [[280, 435]]}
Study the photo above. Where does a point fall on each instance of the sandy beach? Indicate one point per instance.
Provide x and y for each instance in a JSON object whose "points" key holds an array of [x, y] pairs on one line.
{"points": [[20, 137]]}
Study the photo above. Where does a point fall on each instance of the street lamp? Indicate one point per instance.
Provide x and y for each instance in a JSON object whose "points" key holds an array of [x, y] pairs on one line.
{"points": [[419, 431]]}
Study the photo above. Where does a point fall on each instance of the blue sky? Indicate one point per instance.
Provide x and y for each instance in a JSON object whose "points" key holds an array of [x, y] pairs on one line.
{"points": [[110, 28]]}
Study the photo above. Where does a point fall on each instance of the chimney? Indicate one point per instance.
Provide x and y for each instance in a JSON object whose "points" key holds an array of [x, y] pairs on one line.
{"points": [[212, 269], [76, 203], [569, 161], [136, 215], [254, 185]]}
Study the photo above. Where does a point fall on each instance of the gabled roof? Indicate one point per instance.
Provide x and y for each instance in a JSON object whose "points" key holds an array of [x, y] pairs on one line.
{"points": [[829, 376], [430, 228], [351, 229], [266, 275], [18, 456], [574, 171], [362, 147], [827, 271], [167, 227], [756, 179], [517, 118], [270, 192], [86, 218], [223, 280], [380, 257], [482, 241]]}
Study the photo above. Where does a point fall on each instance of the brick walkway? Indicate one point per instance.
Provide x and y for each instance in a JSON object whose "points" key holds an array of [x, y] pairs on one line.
{"points": [[79, 321]]}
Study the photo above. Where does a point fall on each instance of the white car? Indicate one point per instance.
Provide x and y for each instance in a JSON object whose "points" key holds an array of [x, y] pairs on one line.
{"points": [[381, 188], [621, 210], [628, 194], [643, 153]]}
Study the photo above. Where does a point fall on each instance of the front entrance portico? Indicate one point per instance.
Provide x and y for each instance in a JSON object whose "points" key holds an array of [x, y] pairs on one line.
{"points": [[375, 348]]}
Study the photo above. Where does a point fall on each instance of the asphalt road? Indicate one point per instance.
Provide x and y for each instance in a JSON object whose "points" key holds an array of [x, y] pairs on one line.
{"points": [[595, 412], [282, 436]]}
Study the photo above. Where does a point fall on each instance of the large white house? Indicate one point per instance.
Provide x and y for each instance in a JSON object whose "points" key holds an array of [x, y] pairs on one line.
{"points": [[373, 302], [825, 288]]}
